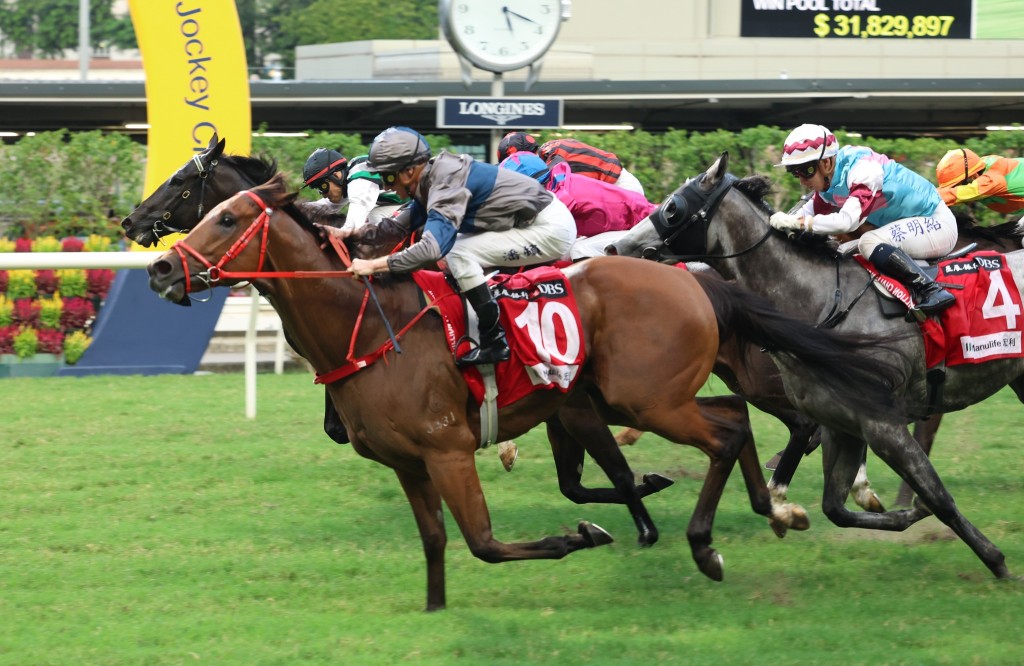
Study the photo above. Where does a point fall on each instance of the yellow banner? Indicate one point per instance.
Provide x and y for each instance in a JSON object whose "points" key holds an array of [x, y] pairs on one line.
{"points": [[197, 82]]}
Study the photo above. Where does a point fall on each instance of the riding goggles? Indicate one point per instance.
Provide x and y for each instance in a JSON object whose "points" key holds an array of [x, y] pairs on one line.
{"points": [[803, 170]]}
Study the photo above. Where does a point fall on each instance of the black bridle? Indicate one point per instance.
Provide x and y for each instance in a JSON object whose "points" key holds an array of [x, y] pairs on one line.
{"points": [[159, 228]]}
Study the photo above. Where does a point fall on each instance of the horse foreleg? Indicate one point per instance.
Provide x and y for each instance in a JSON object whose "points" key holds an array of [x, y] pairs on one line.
{"points": [[426, 507], [841, 458], [578, 427], [924, 432], [454, 474], [787, 515]]}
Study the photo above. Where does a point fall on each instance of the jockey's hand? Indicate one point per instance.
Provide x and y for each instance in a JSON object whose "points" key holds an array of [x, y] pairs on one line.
{"points": [[787, 222], [361, 267], [326, 231]]}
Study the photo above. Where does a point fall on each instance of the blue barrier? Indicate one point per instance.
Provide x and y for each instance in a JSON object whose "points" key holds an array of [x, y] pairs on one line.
{"points": [[138, 333]]}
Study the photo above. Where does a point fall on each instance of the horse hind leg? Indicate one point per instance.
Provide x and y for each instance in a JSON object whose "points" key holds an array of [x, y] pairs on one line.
{"points": [[924, 432], [902, 453], [719, 427]]}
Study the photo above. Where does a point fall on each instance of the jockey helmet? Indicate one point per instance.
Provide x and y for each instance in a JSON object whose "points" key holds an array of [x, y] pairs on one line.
{"points": [[958, 165], [808, 143], [527, 164], [516, 142], [322, 163], [398, 148]]}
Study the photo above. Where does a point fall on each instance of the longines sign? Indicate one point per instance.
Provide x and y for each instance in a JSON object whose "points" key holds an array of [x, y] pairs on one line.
{"points": [[510, 112]]}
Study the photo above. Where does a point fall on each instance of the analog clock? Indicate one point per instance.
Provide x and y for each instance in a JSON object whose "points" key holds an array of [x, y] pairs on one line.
{"points": [[502, 35]]}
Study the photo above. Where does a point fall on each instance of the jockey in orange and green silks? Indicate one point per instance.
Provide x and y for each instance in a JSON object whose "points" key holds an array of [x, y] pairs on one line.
{"points": [[997, 182]]}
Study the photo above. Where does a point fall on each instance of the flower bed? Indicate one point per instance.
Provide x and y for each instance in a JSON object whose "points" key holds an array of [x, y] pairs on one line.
{"points": [[46, 315]]}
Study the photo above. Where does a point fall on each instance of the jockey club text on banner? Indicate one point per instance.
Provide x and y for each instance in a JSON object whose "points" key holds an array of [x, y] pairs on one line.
{"points": [[510, 112], [858, 19], [197, 80]]}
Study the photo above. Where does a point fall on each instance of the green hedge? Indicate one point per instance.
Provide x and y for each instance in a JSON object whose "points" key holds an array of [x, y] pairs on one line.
{"points": [[64, 184]]}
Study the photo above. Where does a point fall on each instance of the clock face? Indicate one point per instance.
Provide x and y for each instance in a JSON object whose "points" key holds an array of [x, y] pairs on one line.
{"points": [[501, 35]]}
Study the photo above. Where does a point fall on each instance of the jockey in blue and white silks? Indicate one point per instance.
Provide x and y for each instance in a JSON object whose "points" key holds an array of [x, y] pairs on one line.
{"points": [[895, 213]]}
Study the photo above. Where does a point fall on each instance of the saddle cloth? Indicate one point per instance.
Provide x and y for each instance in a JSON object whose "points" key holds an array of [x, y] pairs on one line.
{"points": [[985, 322], [541, 321]]}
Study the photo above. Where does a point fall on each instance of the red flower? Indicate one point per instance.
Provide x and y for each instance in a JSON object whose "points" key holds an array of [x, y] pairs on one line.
{"points": [[7, 334], [98, 281], [51, 341], [77, 313], [72, 244], [46, 281], [26, 311], [23, 245]]}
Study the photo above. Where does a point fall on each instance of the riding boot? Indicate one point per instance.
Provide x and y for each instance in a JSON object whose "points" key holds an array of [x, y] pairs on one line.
{"points": [[493, 347], [895, 263]]}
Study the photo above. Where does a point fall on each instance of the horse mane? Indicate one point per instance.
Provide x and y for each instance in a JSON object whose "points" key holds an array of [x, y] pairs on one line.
{"points": [[755, 187], [258, 169]]}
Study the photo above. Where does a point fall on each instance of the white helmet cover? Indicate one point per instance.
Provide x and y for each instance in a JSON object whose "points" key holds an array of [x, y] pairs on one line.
{"points": [[808, 143]]}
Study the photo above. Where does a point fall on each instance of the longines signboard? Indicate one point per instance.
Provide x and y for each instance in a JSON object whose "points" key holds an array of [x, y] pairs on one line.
{"points": [[857, 19], [505, 112]]}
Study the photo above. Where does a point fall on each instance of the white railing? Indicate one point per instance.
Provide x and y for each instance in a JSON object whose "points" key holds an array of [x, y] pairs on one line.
{"points": [[86, 260]]}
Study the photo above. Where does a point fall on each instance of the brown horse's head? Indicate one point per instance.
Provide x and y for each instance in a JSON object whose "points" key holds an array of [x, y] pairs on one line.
{"points": [[231, 238]]}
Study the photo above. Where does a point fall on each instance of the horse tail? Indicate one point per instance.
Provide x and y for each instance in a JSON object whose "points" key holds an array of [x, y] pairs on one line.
{"points": [[830, 358]]}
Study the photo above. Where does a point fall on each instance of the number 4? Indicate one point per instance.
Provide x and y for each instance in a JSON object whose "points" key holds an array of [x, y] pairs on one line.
{"points": [[1008, 309]]}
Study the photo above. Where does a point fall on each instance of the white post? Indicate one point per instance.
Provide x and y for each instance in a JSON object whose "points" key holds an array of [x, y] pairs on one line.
{"points": [[250, 354], [497, 90], [84, 47]]}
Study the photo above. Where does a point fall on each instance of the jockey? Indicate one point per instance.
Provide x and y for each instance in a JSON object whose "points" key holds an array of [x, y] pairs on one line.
{"points": [[997, 182], [895, 211], [473, 214], [324, 171], [367, 200], [602, 212], [583, 159]]}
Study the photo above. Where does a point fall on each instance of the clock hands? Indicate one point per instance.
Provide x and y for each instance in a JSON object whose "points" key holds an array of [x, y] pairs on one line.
{"points": [[508, 12]]}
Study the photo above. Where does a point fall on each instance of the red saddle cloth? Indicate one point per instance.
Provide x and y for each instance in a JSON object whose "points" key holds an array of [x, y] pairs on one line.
{"points": [[541, 321], [984, 323]]}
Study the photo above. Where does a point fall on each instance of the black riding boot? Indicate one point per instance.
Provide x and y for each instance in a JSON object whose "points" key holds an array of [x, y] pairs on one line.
{"points": [[895, 263], [493, 346]]}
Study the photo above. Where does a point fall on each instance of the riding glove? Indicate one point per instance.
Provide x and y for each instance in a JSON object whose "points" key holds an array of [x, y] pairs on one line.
{"points": [[786, 222]]}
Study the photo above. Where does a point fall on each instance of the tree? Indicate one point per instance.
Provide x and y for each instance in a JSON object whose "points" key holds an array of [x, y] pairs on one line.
{"points": [[278, 26], [49, 27]]}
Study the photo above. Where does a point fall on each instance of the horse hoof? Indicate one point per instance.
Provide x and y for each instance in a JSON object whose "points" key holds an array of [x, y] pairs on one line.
{"points": [[647, 538], [869, 501], [657, 482], [594, 535], [799, 520], [712, 566], [778, 527], [628, 436], [509, 453]]}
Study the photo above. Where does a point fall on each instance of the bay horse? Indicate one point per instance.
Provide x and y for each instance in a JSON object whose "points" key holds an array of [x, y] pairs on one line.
{"points": [[414, 414], [212, 176], [724, 221]]}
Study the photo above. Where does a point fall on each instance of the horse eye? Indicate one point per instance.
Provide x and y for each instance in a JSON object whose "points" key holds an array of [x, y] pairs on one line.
{"points": [[226, 220]]}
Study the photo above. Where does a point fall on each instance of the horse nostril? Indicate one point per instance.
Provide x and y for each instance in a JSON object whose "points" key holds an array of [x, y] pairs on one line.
{"points": [[126, 224], [611, 251], [649, 253], [160, 268]]}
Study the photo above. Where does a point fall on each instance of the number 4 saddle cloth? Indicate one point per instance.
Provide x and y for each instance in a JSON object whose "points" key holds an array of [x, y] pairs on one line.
{"points": [[985, 322], [541, 321]]}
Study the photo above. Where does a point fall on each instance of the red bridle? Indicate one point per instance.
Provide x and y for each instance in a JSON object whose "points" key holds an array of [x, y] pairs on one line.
{"points": [[261, 225]]}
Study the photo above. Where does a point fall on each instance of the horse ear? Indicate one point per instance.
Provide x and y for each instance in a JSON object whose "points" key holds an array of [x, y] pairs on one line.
{"points": [[715, 172], [216, 146]]}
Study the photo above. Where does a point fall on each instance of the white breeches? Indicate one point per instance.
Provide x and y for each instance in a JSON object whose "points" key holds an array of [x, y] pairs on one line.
{"points": [[628, 181], [547, 239], [920, 237]]}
